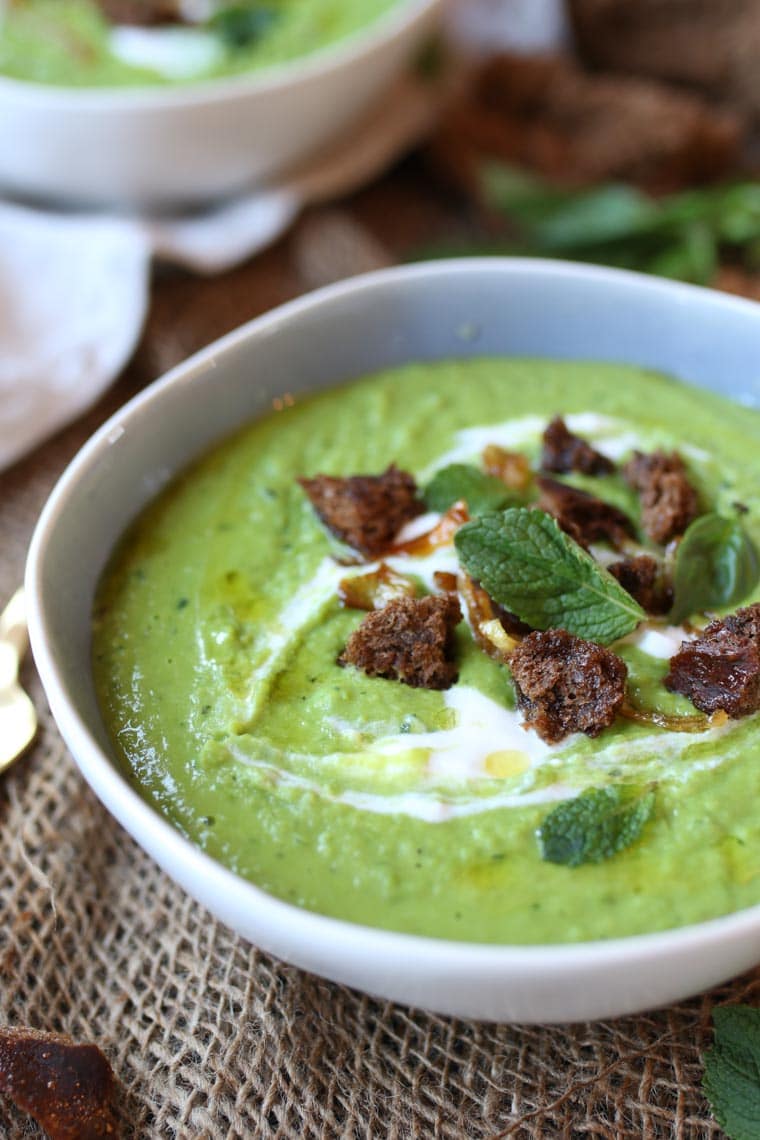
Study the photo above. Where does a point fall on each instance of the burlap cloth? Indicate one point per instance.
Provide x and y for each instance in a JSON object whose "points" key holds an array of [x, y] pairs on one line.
{"points": [[208, 1036]]}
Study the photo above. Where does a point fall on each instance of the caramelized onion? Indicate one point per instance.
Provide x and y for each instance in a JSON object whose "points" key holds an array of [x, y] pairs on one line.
{"points": [[689, 722], [442, 534], [502, 644], [487, 630], [512, 467], [374, 590], [445, 581]]}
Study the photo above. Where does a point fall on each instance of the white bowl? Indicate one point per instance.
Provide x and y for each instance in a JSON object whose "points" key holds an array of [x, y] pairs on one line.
{"points": [[445, 309], [201, 141]]}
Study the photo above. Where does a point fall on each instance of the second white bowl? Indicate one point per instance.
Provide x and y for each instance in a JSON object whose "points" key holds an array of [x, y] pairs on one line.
{"points": [[199, 142]]}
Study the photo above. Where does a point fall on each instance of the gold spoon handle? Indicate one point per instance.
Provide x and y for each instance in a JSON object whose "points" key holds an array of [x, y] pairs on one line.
{"points": [[13, 624], [18, 718], [8, 665]]}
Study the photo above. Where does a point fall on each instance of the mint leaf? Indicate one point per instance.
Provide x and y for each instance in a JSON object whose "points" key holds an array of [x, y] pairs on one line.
{"points": [[601, 214], [481, 492], [595, 825], [241, 25], [532, 568], [716, 565], [732, 1071], [557, 218]]}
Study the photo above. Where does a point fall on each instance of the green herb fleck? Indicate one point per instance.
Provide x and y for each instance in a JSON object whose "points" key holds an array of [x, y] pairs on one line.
{"points": [[241, 25], [481, 492], [716, 565], [596, 824], [532, 568], [732, 1071]]}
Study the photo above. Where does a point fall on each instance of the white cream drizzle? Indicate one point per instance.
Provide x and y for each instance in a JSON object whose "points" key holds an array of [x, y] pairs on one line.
{"points": [[470, 442], [424, 567], [417, 526], [303, 609], [660, 641], [482, 726], [432, 809], [455, 760], [615, 447], [173, 52], [695, 453]]}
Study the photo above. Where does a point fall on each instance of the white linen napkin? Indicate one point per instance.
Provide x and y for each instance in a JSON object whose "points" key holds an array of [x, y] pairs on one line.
{"points": [[73, 297]]}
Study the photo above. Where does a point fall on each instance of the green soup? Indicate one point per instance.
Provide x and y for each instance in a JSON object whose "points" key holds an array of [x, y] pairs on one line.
{"points": [[216, 633], [70, 43]]}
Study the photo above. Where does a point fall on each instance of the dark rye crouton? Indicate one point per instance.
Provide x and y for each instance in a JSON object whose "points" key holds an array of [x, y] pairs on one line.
{"points": [[142, 13], [721, 668], [707, 45], [565, 684], [409, 640], [67, 1087], [580, 128], [584, 517], [365, 511], [668, 500], [563, 451], [642, 577]]}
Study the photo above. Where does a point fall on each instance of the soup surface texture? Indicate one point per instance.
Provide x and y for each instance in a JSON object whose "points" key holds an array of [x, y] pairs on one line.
{"points": [[218, 626], [72, 43]]}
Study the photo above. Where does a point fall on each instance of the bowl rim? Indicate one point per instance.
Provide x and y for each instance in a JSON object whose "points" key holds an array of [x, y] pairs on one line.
{"points": [[267, 80], [160, 838]]}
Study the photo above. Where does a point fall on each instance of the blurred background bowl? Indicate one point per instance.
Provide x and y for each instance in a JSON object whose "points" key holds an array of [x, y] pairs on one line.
{"points": [[201, 141]]}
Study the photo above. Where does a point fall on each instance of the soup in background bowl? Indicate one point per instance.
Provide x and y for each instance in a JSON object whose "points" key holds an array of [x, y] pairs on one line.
{"points": [[401, 819], [140, 43], [175, 115]]}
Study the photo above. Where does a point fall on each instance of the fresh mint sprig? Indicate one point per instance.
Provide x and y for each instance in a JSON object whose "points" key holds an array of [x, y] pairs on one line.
{"points": [[481, 492], [681, 235], [536, 571], [716, 564], [595, 825], [732, 1071]]}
